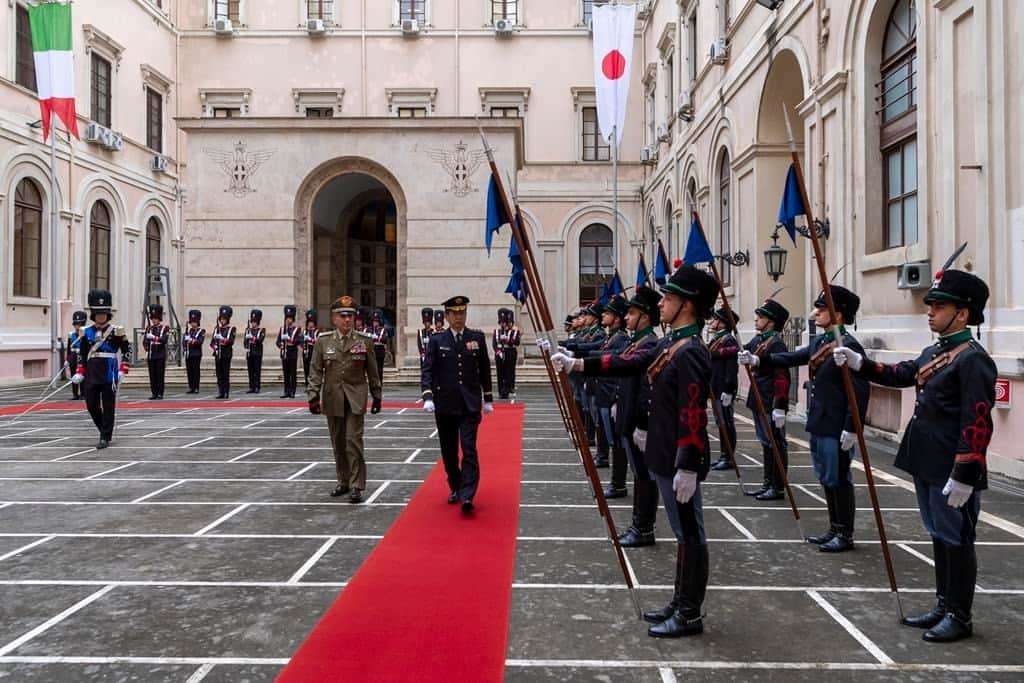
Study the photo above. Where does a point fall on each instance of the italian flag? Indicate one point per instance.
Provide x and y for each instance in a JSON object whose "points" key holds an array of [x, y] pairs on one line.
{"points": [[55, 66]]}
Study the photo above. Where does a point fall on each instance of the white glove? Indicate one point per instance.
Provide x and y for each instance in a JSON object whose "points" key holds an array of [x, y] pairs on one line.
{"points": [[562, 362], [726, 400], [749, 359], [488, 408], [685, 485], [640, 438], [957, 493], [565, 351], [843, 355], [847, 440], [544, 345], [613, 411], [77, 378], [779, 418], [121, 376], [428, 406]]}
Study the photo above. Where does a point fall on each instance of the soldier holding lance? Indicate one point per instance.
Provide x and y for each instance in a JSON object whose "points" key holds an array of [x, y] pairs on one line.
{"points": [[223, 342], [255, 335], [506, 339], [154, 341], [192, 349], [288, 343], [74, 353], [724, 370]]}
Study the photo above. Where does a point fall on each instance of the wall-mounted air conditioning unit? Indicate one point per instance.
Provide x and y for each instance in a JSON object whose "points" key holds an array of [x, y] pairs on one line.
{"points": [[114, 142], [95, 133], [410, 27], [643, 9], [223, 27], [158, 164], [684, 107], [315, 27], [915, 275], [503, 27], [719, 51]]}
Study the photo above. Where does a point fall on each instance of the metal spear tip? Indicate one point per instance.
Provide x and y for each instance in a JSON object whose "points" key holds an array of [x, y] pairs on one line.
{"points": [[789, 128]]}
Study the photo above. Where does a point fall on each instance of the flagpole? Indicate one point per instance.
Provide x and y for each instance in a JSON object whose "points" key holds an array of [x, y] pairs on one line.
{"points": [[851, 396], [54, 213], [615, 196]]}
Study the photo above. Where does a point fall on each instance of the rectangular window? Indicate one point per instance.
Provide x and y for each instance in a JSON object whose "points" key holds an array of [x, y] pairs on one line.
{"points": [[227, 9], [594, 146], [504, 112], [154, 120], [100, 91], [588, 9], [412, 112], [691, 36], [27, 250], [505, 9], [901, 194], [670, 86], [413, 9], [226, 113], [25, 68], [320, 9], [99, 259], [319, 113]]}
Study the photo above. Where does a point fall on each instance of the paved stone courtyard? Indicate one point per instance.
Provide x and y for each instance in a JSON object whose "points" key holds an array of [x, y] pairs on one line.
{"points": [[202, 546]]}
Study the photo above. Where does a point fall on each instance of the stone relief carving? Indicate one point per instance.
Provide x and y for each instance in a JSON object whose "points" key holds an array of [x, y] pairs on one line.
{"points": [[239, 166], [459, 164]]}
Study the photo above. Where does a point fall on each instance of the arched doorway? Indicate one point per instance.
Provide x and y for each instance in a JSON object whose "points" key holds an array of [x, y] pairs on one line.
{"points": [[355, 246]]}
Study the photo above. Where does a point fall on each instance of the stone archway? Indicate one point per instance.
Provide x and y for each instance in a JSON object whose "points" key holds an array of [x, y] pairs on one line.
{"points": [[367, 182]]}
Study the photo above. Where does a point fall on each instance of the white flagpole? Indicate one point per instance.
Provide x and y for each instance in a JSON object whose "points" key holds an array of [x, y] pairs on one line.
{"points": [[615, 197], [54, 214]]}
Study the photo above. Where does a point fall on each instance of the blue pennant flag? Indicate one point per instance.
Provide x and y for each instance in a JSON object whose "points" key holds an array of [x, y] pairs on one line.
{"points": [[606, 294], [697, 249], [641, 273], [517, 286], [661, 267], [792, 205], [615, 287], [496, 216]]}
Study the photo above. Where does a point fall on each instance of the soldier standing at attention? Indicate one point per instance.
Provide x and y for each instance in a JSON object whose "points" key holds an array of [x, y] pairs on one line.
{"points": [[73, 355], [423, 335], [309, 336], [255, 335], [223, 343], [724, 370], [456, 383], [155, 343], [379, 335], [507, 338], [98, 366], [343, 371], [944, 445], [438, 320], [773, 383], [192, 349], [288, 343]]}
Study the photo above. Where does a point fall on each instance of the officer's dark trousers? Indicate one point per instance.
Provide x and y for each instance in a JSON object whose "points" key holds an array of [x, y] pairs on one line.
{"points": [[254, 363], [645, 489], [726, 426], [453, 431], [156, 375], [772, 475], [223, 365], [380, 352], [506, 371], [192, 371], [99, 399], [289, 366], [307, 358]]}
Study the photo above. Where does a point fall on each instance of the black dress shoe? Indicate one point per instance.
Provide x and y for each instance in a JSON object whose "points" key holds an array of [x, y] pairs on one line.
{"points": [[339, 490], [770, 494], [677, 626], [722, 464], [153, 397], [356, 496], [758, 492], [467, 506], [632, 538], [453, 497], [838, 544], [659, 615], [159, 397], [823, 538], [284, 395], [612, 492], [103, 443], [601, 461], [950, 629], [251, 391], [927, 620]]}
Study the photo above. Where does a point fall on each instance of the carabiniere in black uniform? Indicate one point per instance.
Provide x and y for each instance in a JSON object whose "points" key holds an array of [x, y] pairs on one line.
{"points": [[192, 349], [944, 447], [289, 340], [223, 343], [98, 367], [155, 343], [255, 335]]}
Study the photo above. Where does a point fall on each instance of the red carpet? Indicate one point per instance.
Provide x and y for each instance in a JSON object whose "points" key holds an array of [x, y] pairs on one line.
{"points": [[431, 602]]}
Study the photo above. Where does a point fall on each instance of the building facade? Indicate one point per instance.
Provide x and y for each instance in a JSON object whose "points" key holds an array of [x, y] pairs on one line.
{"points": [[284, 152]]}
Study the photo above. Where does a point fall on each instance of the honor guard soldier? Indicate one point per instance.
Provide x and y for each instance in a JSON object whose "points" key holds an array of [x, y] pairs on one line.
{"points": [[155, 343], [192, 349], [945, 442], [438, 320], [379, 335], [73, 354], [424, 333], [255, 335], [344, 370], [506, 352], [360, 321], [457, 375], [590, 337], [289, 340], [677, 450], [829, 420], [773, 384], [724, 370], [223, 345], [309, 336], [98, 364]]}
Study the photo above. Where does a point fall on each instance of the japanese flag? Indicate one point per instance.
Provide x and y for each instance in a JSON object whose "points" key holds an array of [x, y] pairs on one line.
{"points": [[613, 56]]}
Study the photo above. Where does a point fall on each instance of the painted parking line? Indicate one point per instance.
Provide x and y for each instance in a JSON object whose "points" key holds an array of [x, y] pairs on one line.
{"points": [[849, 627], [314, 558], [53, 621]]}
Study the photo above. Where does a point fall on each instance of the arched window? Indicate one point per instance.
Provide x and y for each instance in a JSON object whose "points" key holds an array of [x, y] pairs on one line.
{"points": [[897, 101], [670, 228], [99, 246], [724, 214], [152, 243], [28, 242], [652, 239], [595, 260]]}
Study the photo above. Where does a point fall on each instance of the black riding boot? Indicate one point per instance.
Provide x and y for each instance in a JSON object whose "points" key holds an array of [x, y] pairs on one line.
{"points": [[645, 505], [962, 568], [620, 465], [601, 458], [846, 509], [830, 500], [659, 615], [766, 468], [687, 619], [935, 614]]}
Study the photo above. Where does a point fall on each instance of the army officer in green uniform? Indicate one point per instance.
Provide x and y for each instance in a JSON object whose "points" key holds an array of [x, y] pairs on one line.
{"points": [[343, 370]]}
